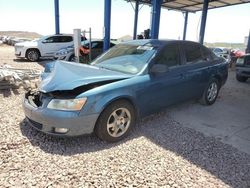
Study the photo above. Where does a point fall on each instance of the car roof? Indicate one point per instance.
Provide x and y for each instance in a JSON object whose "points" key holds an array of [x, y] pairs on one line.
{"points": [[59, 35]]}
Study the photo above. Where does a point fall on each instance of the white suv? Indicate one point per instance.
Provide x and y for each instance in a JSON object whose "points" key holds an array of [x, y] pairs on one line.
{"points": [[43, 47]]}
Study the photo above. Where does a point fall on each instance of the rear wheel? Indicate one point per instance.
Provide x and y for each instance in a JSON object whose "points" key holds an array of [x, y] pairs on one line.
{"points": [[211, 92], [115, 121], [241, 78], [33, 55]]}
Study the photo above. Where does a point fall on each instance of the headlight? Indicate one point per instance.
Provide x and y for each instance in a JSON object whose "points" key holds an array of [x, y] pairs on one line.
{"points": [[67, 104]]}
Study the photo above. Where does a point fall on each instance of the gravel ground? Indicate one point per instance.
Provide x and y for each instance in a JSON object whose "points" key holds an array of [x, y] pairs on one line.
{"points": [[158, 153]]}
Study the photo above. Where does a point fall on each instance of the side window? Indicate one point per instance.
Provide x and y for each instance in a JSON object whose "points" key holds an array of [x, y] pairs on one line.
{"points": [[50, 39], [169, 56], [193, 53], [65, 39], [56, 39]]}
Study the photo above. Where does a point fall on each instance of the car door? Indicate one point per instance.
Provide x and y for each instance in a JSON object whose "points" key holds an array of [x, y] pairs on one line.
{"points": [[48, 46], [64, 41], [163, 89], [54, 43], [196, 69]]}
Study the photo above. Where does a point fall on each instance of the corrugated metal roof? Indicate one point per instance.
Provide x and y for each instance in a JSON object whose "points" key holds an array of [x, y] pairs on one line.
{"points": [[194, 5]]}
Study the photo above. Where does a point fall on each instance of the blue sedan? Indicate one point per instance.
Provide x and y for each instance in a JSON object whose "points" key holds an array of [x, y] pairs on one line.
{"points": [[130, 81]]}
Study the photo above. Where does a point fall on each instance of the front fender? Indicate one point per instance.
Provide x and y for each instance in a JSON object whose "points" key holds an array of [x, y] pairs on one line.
{"points": [[97, 103]]}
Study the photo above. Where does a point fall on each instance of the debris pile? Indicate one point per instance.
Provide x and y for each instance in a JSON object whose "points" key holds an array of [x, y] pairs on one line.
{"points": [[13, 78]]}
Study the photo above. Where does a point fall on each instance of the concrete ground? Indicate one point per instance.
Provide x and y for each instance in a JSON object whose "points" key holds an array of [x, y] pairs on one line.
{"points": [[228, 119]]}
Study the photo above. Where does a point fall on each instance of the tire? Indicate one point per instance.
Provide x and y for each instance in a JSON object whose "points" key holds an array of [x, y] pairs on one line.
{"points": [[241, 78], [72, 58], [33, 55], [115, 121], [210, 93]]}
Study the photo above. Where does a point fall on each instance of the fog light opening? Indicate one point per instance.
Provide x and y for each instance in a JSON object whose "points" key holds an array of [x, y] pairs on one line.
{"points": [[61, 130]]}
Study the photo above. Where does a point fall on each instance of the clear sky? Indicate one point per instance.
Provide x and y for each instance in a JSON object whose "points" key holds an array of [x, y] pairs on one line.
{"points": [[229, 24]]}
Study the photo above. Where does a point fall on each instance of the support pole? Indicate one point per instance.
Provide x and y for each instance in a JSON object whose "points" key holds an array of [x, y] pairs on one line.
{"points": [[107, 16], [155, 18], [77, 43], [248, 44], [136, 19], [185, 25], [203, 21], [57, 24]]}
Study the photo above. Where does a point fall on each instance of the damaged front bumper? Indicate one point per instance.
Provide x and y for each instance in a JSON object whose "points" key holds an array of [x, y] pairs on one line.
{"points": [[49, 120]]}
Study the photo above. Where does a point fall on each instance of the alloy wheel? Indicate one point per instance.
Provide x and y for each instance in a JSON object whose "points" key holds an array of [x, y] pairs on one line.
{"points": [[212, 91], [33, 55], [118, 122]]}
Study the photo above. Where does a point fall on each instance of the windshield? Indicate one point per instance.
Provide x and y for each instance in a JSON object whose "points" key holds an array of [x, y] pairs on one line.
{"points": [[126, 58]]}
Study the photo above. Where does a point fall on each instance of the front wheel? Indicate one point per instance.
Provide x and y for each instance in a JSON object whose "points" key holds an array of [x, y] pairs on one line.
{"points": [[211, 92], [115, 121], [32, 55], [241, 78]]}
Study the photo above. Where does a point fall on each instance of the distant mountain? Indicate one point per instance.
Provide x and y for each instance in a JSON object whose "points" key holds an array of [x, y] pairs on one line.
{"points": [[20, 34], [226, 45]]}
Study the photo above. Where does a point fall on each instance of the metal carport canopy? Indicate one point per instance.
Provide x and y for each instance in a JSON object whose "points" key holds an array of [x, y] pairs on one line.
{"points": [[184, 6], [193, 5]]}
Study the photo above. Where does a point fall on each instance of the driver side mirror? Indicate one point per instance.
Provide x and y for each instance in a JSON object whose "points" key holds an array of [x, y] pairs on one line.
{"points": [[158, 68]]}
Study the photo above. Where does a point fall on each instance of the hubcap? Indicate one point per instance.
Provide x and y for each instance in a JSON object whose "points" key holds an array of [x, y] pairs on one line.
{"points": [[118, 122], [212, 92], [32, 55]]}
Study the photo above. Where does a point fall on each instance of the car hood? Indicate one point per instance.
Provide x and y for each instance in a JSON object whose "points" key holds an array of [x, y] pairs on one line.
{"points": [[27, 43], [68, 76]]}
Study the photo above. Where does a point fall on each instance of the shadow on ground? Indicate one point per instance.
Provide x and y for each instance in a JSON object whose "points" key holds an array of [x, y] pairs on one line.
{"points": [[9, 92], [221, 160], [41, 62]]}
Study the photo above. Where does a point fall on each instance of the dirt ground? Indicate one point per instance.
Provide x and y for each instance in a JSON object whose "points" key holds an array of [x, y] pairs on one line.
{"points": [[187, 145]]}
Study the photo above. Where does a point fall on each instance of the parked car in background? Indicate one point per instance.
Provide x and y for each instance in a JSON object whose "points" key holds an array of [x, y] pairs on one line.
{"points": [[221, 52], [129, 81], [243, 68], [68, 54], [14, 41], [43, 47]]}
